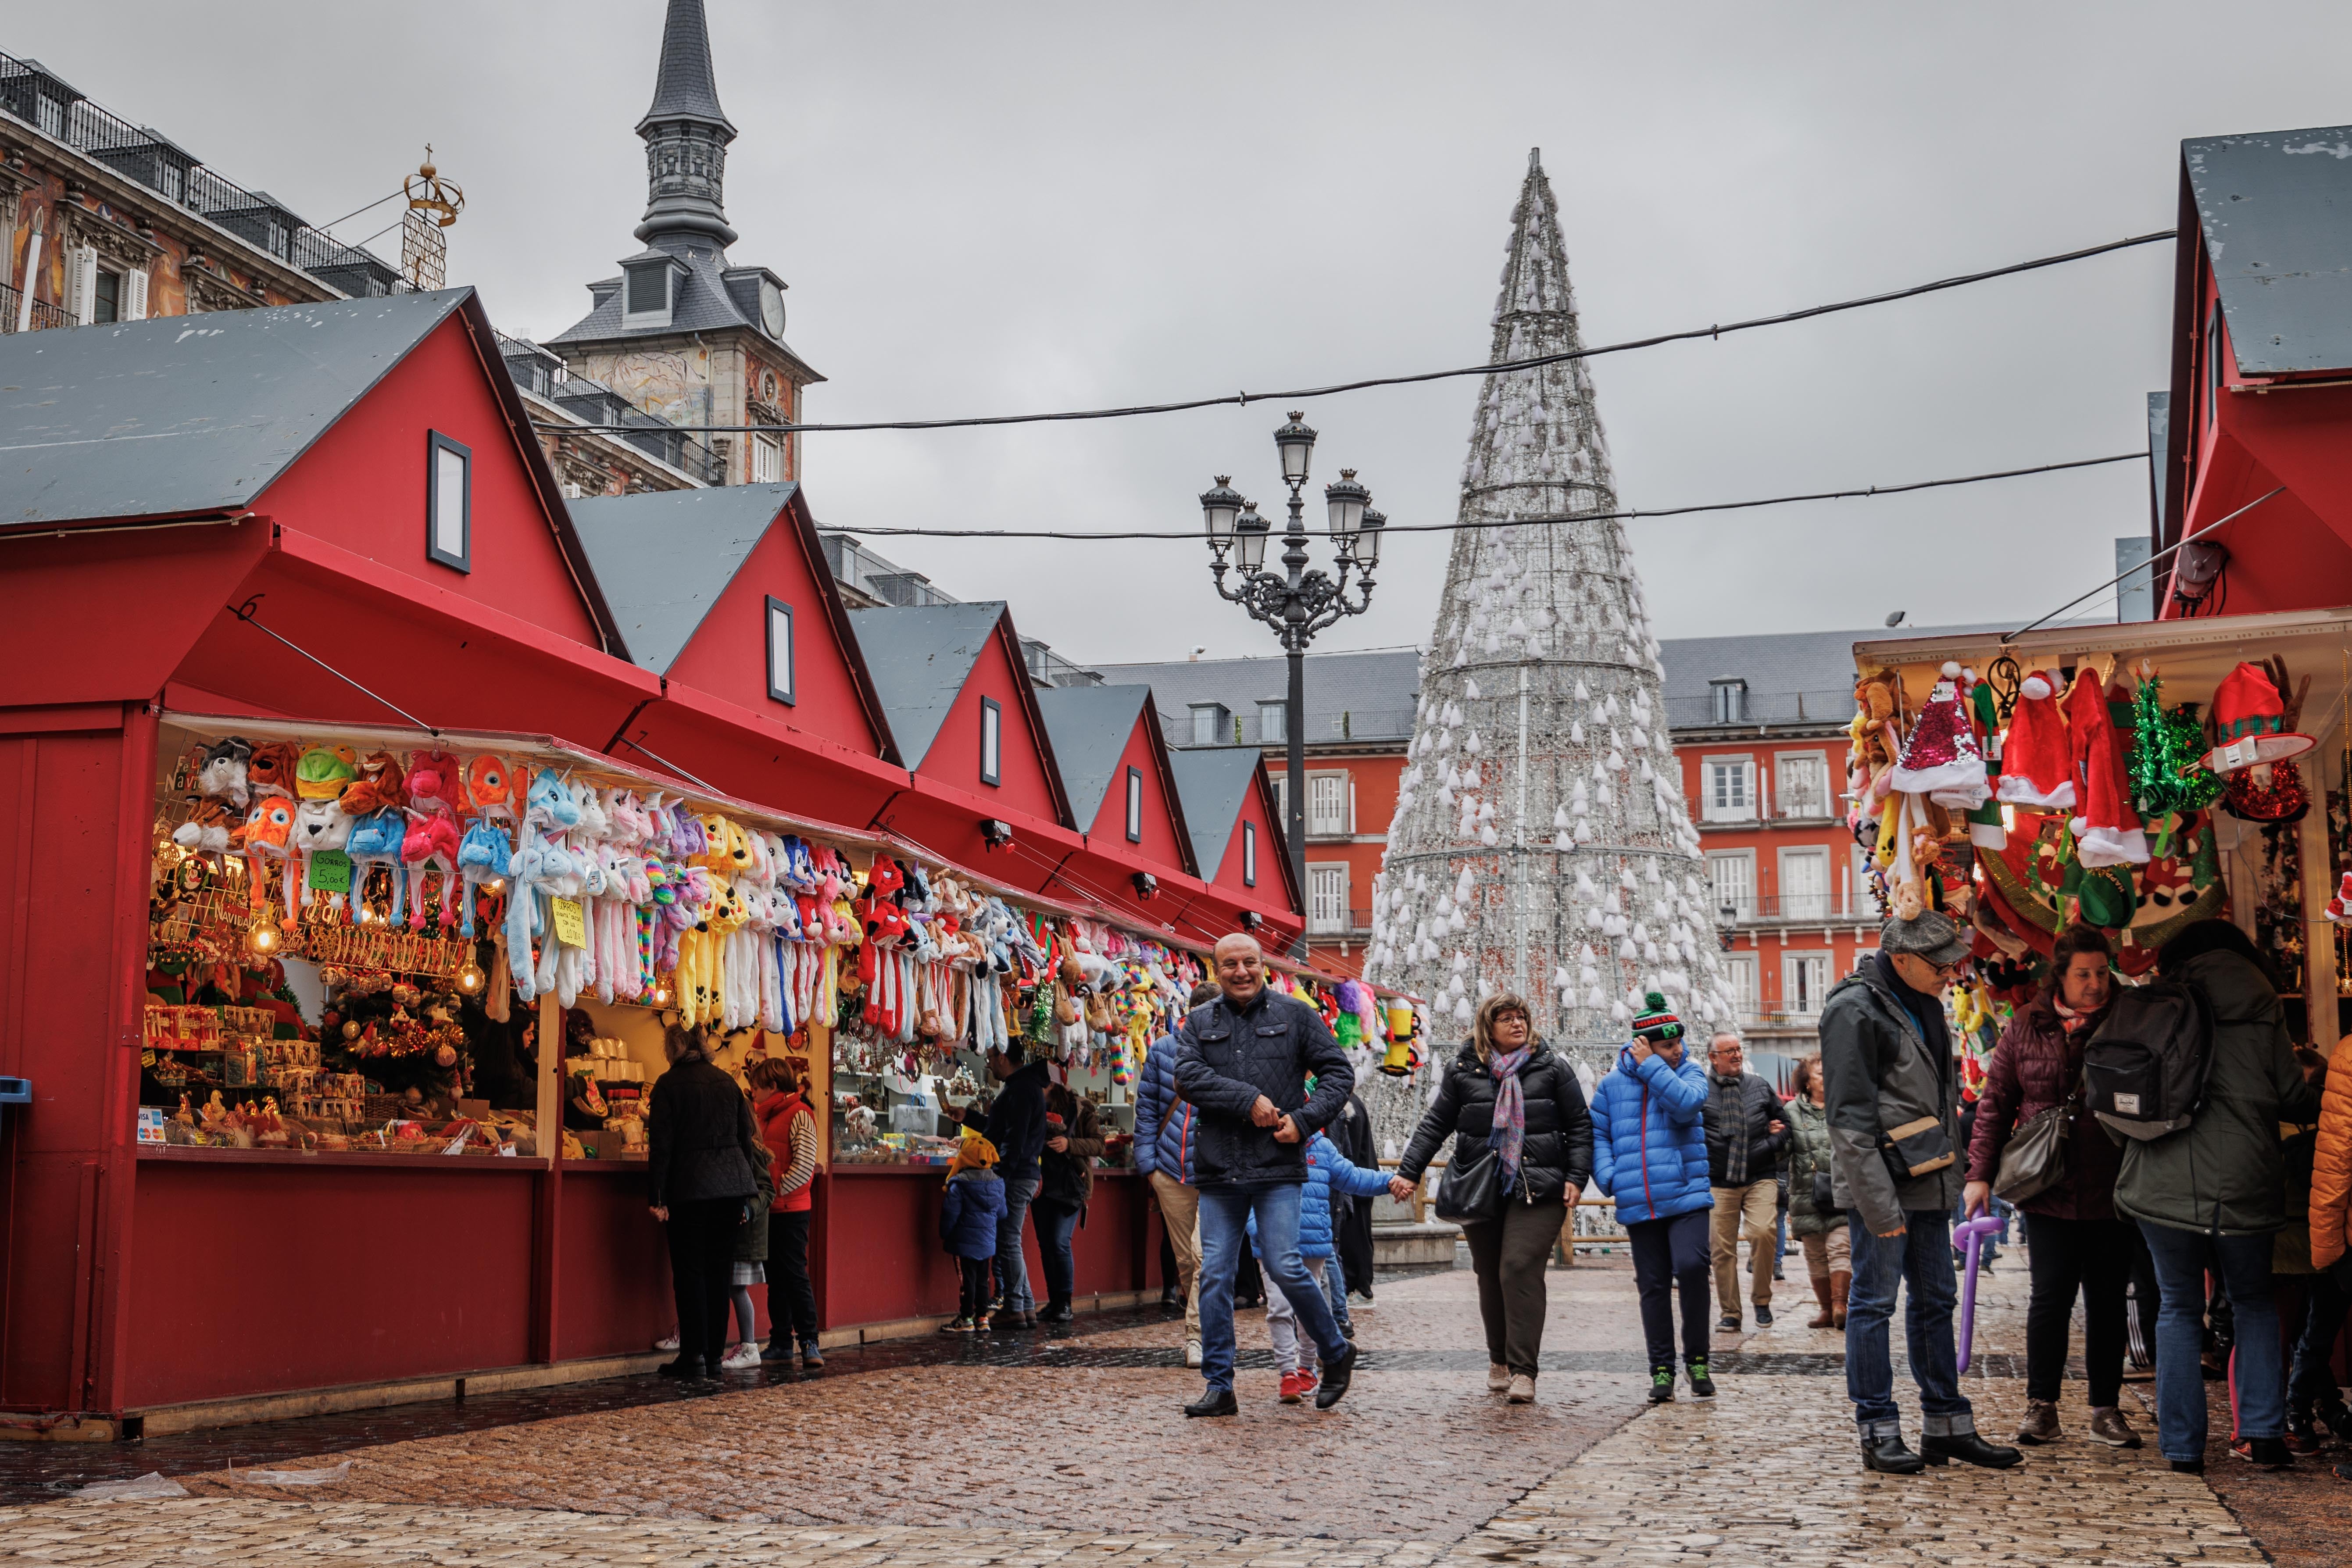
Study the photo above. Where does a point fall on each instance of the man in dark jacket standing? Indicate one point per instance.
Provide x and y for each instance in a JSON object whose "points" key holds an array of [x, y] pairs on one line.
{"points": [[1746, 1132], [1243, 1061], [1893, 1097], [1165, 1134], [1016, 1125]]}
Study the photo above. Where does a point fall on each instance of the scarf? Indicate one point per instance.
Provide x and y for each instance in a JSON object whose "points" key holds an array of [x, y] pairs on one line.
{"points": [[2071, 1022], [1728, 1108], [1508, 1133]]}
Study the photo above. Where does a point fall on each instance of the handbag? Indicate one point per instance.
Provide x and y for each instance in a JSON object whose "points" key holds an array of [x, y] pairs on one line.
{"points": [[1916, 1147], [1824, 1194], [2035, 1158], [1471, 1189]]}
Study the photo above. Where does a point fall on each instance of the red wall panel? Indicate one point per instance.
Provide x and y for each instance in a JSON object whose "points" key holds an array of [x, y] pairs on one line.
{"points": [[1110, 827], [613, 1290], [954, 755]]}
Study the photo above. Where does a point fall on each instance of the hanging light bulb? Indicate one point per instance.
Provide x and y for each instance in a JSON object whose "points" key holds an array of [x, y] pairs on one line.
{"points": [[263, 935], [470, 979]]}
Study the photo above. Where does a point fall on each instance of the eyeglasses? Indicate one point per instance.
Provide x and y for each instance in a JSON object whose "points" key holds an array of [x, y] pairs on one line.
{"points": [[1509, 1015]]}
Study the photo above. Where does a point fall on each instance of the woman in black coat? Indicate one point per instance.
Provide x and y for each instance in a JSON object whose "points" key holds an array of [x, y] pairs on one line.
{"points": [[703, 1142], [1506, 1091]]}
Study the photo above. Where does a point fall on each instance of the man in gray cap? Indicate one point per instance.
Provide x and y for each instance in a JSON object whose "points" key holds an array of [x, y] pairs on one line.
{"points": [[1894, 1115]]}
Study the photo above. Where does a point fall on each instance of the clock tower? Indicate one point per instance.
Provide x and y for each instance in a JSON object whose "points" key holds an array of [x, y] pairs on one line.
{"points": [[683, 332]]}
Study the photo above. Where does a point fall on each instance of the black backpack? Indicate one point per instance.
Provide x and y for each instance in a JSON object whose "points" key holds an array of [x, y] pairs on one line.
{"points": [[2146, 1063]]}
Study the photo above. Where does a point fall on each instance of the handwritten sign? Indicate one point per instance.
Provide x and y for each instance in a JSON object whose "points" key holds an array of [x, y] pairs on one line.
{"points": [[331, 872], [571, 924]]}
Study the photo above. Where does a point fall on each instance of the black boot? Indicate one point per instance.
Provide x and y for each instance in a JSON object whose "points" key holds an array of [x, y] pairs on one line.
{"points": [[1888, 1457], [1336, 1375], [1969, 1448], [1057, 1311], [1215, 1402]]}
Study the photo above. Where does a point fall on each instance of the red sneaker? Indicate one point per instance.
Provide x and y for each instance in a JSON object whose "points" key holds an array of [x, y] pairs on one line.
{"points": [[1295, 1386]]}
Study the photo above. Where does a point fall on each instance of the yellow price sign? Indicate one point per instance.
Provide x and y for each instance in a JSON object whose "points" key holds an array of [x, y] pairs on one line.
{"points": [[571, 922]]}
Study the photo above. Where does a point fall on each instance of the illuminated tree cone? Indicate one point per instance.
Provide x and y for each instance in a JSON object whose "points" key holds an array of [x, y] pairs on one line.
{"points": [[1541, 843]]}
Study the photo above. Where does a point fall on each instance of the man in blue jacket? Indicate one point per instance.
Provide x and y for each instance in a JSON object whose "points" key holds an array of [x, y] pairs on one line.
{"points": [[1166, 1128], [1649, 1152], [1243, 1061]]}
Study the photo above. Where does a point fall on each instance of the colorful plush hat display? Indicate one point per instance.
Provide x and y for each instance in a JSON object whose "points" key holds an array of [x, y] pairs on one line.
{"points": [[2252, 720], [2108, 831], [2037, 758], [1940, 758]]}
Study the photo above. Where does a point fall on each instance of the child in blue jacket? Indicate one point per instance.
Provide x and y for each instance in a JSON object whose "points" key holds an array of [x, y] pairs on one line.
{"points": [[1649, 1152], [1328, 1171], [968, 1221]]}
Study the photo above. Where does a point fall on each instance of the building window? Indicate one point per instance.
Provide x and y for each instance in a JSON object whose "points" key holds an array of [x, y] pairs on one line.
{"points": [[1326, 806], [992, 742], [106, 296], [1249, 854], [1326, 900], [1281, 781], [1272, 725], [1135, 805], [1805, 884], [767, 459], [1727, 789], [1734, 875], [780, 652], [1209, 723], [1740, 973], [1804, 784], [1805, 982], [448, 501], [1730, 700]]}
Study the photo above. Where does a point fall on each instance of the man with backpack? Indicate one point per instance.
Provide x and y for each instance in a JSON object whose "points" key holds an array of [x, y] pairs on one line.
{"points": [[2196, 1073], [1893, 1105]]}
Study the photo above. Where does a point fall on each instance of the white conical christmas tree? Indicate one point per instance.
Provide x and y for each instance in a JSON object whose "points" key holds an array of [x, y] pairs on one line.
{"points": [[1541, 843]]}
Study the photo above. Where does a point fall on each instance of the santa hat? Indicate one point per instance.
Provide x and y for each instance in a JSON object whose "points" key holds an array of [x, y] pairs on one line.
{"points": [[1941, 756], [2108, 831], [2037, 760], [2252, 720]]}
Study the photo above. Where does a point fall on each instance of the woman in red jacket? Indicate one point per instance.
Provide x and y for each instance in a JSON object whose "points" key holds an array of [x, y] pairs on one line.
{"points": [[789, 1127], [2075, 1240]]}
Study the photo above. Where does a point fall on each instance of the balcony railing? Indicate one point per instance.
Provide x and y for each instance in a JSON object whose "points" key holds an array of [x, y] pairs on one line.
{"points": [[544, 374], [43, 314], [1785, 909], [1332, 923]]}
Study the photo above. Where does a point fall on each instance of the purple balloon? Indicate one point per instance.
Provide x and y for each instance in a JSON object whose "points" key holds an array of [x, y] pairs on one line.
{"points": [[1969, 1234]]}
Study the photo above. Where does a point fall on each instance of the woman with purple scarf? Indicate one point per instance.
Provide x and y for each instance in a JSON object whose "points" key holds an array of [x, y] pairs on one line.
{"points": [[1505, 1090]]}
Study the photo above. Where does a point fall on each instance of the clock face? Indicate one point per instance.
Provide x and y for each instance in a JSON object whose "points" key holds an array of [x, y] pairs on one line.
{"points": [[771, 308]]}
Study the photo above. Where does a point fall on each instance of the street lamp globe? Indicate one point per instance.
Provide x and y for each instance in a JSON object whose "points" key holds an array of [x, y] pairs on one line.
{"points": [[1347, 500], [1249, 538], [1368, 538], [1219, 507], [1296, 443]]}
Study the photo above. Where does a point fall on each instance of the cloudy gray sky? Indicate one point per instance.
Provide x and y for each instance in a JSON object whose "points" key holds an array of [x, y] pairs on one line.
{"points": [[983, 209]]}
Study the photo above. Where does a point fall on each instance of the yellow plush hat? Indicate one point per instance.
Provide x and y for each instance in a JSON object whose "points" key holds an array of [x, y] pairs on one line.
{"points": [[974, 1154]]}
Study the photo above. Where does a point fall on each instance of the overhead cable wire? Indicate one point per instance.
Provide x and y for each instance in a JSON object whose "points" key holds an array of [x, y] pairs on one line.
{"points": [[2202, 536], [1299, 395], [1462, 523], [324, 227]]}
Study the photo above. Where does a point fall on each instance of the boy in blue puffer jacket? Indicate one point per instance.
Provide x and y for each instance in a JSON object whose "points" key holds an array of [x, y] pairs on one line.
{"points": [[1649, 1152], [968, 1215], [1328, 1172]]}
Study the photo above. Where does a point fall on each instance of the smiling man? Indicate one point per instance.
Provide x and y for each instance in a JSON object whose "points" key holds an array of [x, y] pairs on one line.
{"points": [[1243, 1060]]}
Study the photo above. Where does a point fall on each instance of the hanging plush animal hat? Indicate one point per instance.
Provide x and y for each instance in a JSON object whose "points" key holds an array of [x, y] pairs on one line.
{"points": [[381, 783], [271, 769], [222, 773], [325, 773]]}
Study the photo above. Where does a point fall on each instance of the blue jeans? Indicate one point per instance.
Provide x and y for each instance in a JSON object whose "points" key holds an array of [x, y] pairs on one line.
{"points": [[1224, 1224], [1335, 1288], [1011, 1268], [1921, 1260], [1055, 1226], [2257, 1366]]}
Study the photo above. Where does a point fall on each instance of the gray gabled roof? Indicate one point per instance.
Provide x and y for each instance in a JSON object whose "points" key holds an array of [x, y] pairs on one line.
{"points": [[181, 415], [1089, 726], [2275, 209], [703, 304], [920, 656], [665, 557], [1213, 782]]}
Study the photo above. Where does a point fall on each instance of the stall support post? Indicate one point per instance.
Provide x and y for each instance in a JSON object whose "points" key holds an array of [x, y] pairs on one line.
{"points": [[2319, 1005], [547, 1222]]}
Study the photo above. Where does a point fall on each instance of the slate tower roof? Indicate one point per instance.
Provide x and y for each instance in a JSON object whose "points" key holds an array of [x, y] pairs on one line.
{"points": [[686, 135]]}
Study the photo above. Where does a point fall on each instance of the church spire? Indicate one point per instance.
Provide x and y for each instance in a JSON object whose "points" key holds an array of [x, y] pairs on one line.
{"points": [[686, 135]]}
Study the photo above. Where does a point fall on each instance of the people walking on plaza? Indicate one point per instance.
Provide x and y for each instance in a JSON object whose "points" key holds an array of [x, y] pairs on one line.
{"points": [[1508, 1092], [969, 1212], [1649, 1154], [1016, 1126], [788, 1127], [1074, 1140], [1351, 1218], [1242, 1059], [1746, 1129], [1892, 1104], [1165, 1131], [701, 1145], [1814, 1217], [1333, 1181], [2213, 1195], [2075, 1243], [751, 1265]]}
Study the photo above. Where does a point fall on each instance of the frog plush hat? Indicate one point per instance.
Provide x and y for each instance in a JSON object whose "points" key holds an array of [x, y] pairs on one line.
{"points": [[325, 773]]}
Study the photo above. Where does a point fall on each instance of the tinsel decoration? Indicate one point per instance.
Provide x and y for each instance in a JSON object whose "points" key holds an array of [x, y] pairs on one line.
{"points": [[2167, 767]]}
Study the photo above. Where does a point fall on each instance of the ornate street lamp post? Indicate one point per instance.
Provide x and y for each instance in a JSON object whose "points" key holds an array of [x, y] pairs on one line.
{"points": [[1296, 602]]}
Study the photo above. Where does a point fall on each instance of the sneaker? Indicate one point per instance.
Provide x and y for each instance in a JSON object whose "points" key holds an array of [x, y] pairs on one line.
{"points": [[1661, 1385], [2302, 1439], [2268, 1453], [743, 1357], [1192, 1352], [1727, 1324], [1763, 1316], [1295, 1385], [2041, 1423], [1499, 1377], [811, 1357], [666, 1342], [1359, 1302], [2109, 1426], [1702, 1385], [961, 1326], [1523, 1389]]}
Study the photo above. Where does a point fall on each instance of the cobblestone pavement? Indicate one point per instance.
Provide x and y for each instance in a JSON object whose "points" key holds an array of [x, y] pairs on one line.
{"points": [[1013, 1460]]}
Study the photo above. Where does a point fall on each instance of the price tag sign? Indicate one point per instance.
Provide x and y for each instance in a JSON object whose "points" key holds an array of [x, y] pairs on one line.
{"points": [[571, 926], [331, 872]]}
